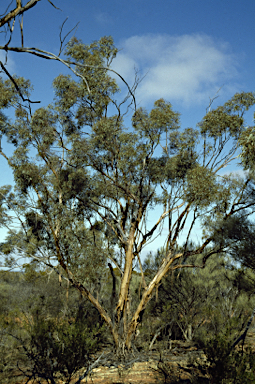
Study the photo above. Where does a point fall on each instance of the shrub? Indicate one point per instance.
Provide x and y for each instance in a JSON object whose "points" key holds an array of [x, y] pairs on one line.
{"points": [[227, 365]]}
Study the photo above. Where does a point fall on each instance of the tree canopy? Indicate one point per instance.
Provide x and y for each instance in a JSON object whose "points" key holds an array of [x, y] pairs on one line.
{"points": [[91, 171]]}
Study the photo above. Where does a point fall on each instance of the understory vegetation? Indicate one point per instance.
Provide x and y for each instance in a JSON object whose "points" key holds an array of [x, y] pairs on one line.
{"points": [[49, 331]]}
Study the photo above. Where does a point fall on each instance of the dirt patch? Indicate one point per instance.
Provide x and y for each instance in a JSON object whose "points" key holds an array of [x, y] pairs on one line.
{"points": [[182, 363]]}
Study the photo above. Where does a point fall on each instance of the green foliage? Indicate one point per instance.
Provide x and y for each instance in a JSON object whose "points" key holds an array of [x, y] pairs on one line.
{"points": [[197, 303], [237, 236], [247, 142], [201, 184], [58, 349], [226, 366], [222, 366], [218, 121], [47, 333]]}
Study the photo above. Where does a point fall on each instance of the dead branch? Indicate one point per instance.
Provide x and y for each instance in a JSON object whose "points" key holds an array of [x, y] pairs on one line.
{"points": [[62, 40]]}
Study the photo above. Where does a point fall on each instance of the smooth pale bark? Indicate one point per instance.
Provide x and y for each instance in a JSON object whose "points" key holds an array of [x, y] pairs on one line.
{"points": [[126, 275], [19, 10], [147, 295]]}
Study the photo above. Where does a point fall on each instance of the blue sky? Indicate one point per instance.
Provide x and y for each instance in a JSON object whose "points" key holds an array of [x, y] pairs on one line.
{"points": [[187, 49]]}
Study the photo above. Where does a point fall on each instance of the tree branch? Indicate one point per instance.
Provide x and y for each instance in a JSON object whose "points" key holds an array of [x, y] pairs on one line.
{"points": [[19, 10], [16, 85], [51, 56]]}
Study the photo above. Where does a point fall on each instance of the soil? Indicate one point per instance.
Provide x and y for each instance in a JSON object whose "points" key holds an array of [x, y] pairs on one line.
{"points": [[182, 363]]}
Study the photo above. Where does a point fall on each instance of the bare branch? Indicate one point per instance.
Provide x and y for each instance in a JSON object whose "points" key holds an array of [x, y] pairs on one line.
{"points": [[21, 31], [208, 109], [243, 335], [54, 6], [19, 10], [7, 9], [150, 233], [63, 39], [11, 28], [89, 369]]}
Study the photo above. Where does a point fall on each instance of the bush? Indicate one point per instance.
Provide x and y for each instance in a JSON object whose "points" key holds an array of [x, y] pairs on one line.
{"points": [[58, 348], [37, 344], [227, 365]]}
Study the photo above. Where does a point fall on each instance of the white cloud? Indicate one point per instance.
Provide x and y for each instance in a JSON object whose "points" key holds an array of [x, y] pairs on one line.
{"points": [[235, 173], [186, 68], [103, 18]]}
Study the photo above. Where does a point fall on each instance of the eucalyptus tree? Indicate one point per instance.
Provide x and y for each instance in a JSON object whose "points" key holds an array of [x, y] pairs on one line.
{"points": [[93, 188]]}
